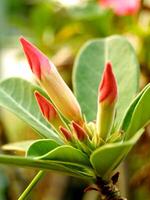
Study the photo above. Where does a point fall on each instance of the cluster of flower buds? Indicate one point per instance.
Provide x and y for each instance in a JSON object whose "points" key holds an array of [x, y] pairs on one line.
{"points": [[122, 7], [62, 104]]}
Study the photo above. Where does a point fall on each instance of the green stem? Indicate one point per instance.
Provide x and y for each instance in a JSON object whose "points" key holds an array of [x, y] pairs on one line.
{"points": [[33, 183]]}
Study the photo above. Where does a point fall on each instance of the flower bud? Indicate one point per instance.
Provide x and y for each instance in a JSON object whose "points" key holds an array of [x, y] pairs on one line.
{"points": [[107, 97], [80, 132], [66, 134], [48, 77], [122, 7], [49, 112], [38, 62]]}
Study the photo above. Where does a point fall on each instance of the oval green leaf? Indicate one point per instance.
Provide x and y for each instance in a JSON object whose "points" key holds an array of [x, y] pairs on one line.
{"points": [[88, 70], [41, 147], [140, 116], [17, 95], [106, 158], [128, 114], [67, 154]]}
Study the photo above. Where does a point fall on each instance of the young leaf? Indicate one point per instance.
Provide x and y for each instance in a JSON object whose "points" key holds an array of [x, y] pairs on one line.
{"points": [[106, 158], [141, 114], [17, 95], [63, 154], [128, 115], [41, 147], [89, 66]]}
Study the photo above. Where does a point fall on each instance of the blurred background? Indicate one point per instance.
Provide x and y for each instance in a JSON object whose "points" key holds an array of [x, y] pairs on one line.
{"points": [[59, 28]]}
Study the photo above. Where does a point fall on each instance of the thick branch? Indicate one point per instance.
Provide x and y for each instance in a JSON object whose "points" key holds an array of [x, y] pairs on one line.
{"points": [[108, 190]]}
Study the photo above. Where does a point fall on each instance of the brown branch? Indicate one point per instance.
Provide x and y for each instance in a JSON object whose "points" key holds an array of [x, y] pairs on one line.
{"points": [[108, 190]]}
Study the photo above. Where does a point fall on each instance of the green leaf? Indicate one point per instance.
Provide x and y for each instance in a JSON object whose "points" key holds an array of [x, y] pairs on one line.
{"points": [[41, 147], [67, 154], [17, 146], [128, 114], [50, 150], [81, 172], [89, 66], [140, 116], [17, 95], [106, 158]]}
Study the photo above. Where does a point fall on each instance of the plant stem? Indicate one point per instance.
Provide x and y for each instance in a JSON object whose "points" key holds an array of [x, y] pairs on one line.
{"points": [[108, 190], [33, 183]]}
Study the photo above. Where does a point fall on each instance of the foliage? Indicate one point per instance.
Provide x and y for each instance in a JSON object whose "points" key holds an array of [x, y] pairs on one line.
{"points": [[82, 159]]}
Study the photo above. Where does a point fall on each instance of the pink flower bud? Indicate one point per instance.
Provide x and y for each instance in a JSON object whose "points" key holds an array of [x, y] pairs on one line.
{"points": [[108, 85], [80, 132], [122, 7], [49, 112], [37, 60], [66, 133], [48, 76], [106, 102]]}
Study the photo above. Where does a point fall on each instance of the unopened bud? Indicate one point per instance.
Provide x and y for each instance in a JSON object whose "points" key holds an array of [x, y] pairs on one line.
{"points": [[49, 112], [48, 76], [80, 132], [107, 97], [66, 134]]}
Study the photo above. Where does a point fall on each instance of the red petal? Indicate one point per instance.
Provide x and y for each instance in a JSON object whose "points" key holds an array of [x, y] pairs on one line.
{"points": [[46, 107], [66, 133], [81, 134], [37, 60], [108, 85]]}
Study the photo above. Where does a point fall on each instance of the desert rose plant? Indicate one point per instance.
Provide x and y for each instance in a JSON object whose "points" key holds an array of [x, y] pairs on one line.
{"points": [[86, 136]]}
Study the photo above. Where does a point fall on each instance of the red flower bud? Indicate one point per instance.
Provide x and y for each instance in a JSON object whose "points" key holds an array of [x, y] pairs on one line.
{"points": [[108, 85], [48, 76], [106, 102], [37, 60], [66, 133], [80, 132], [49, 112], [46, 107]]}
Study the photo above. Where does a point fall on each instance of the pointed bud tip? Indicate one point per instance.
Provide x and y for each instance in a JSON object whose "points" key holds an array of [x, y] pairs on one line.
{"points": [[108, 85], [46, 107], [23, 40], [65, 133], [36, 59], [80, 132]]}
